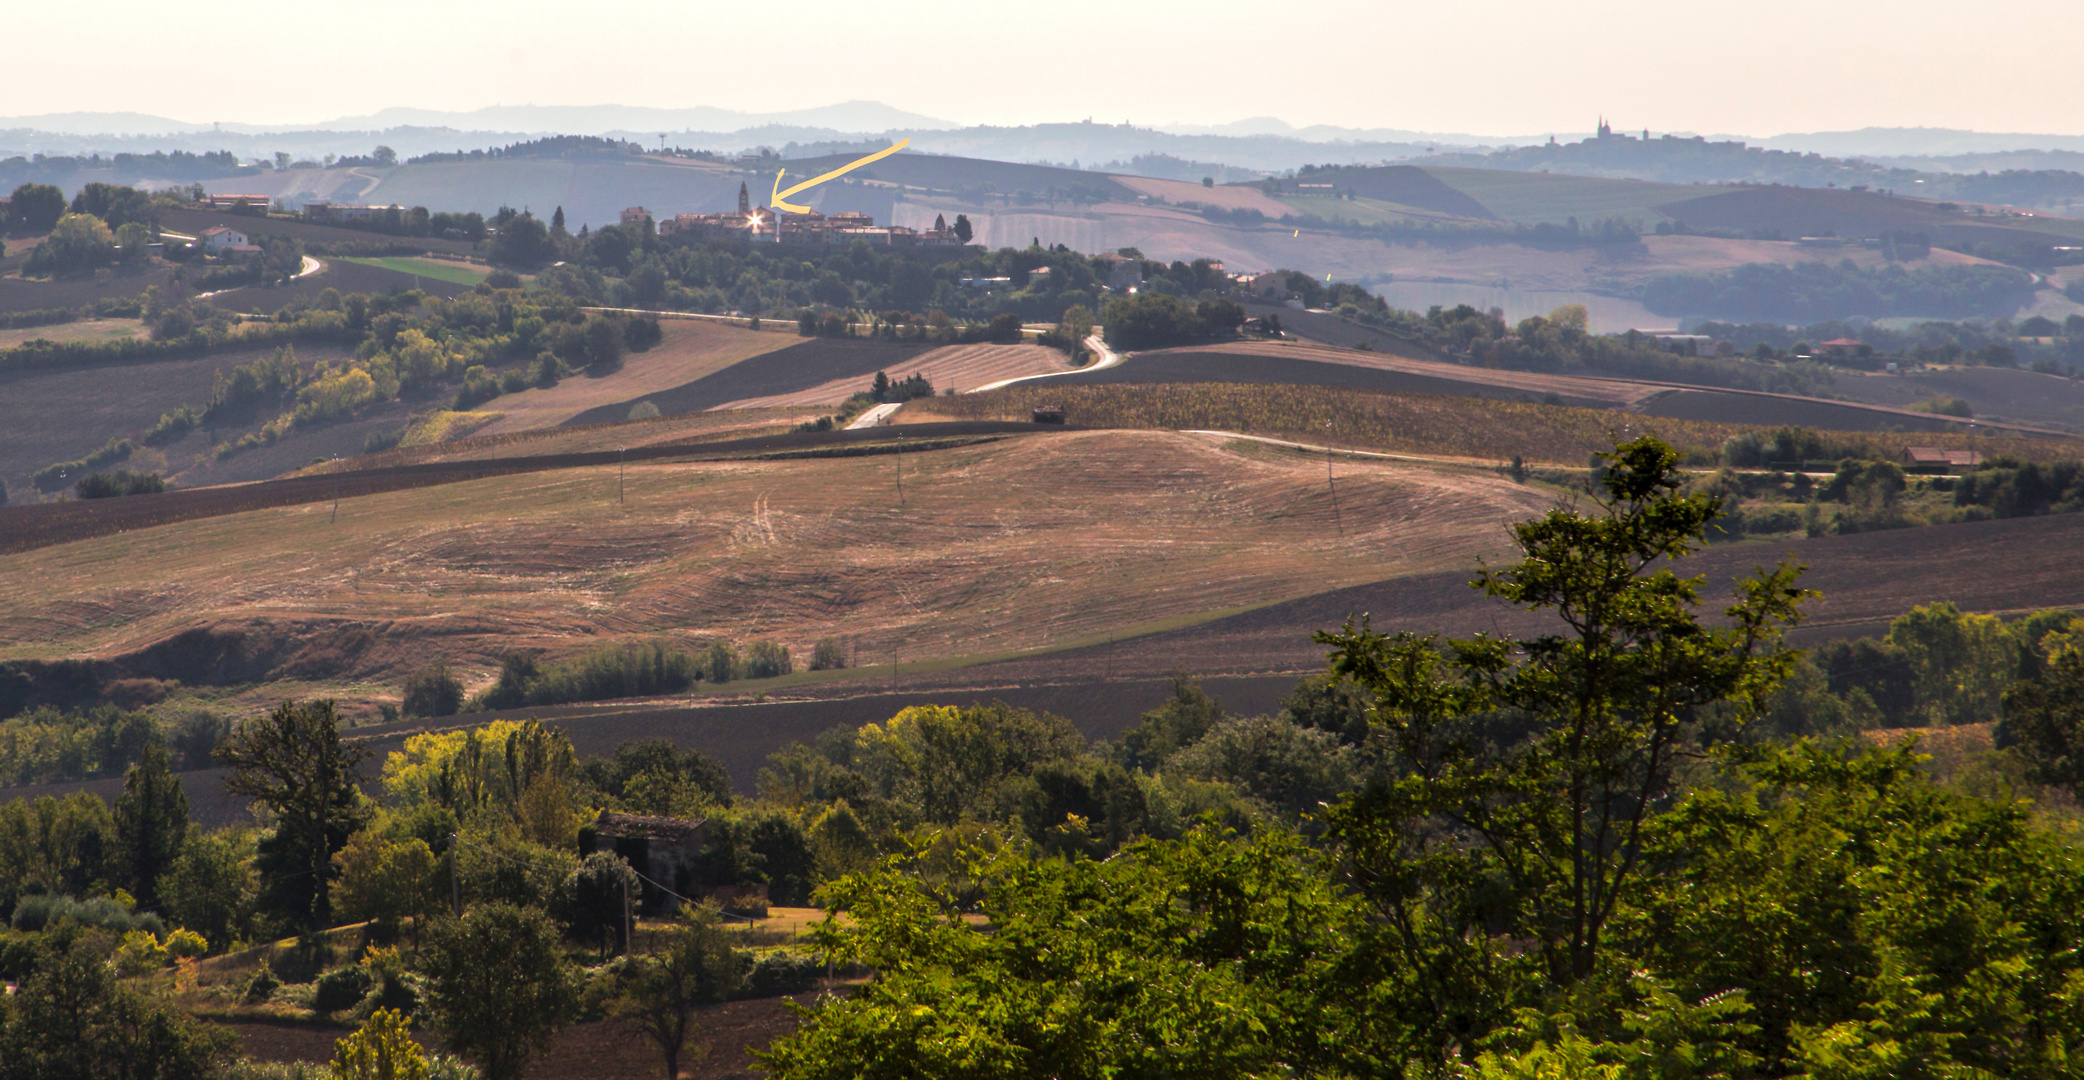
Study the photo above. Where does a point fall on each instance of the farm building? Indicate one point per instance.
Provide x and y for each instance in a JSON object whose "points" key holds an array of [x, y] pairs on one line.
{"points": [[663, 849], [1936, 459], [1845, 347], [637, 214], [219, 239]]}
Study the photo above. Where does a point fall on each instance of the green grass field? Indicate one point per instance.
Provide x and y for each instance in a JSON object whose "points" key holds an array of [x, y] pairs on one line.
{"points": [[1366, 211], [456, 273], [1533, 198]]}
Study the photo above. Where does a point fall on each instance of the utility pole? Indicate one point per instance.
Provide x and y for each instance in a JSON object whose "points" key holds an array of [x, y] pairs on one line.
{"points": [[1334, 486], [455, 885], [336, 503], [629, 940], [619, 456], [900, 474]]}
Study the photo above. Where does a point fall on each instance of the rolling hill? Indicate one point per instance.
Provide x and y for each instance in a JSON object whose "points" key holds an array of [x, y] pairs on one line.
{"points": [[1023, 543]]}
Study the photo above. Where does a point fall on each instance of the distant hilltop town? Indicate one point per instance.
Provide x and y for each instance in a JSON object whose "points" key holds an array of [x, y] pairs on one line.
{"points": [[761, 225]]}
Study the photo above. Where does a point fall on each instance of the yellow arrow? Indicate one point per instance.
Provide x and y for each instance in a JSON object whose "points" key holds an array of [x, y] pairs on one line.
{"points": [[780, 195]]}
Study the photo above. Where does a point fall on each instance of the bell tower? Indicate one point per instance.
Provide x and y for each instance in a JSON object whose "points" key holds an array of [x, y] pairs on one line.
{"points": [[745, 200]]}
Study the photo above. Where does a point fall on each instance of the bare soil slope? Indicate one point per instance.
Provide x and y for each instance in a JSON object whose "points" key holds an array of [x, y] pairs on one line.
{"points": [[58, 416], [690, 350], [805, 364], [2005, 394]]}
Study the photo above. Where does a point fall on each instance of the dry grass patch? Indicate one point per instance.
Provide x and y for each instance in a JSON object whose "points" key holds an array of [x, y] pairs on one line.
{"points": [[1018, 544]]}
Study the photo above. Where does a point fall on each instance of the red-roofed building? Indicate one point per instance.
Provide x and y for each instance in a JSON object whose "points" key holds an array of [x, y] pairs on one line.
{"points": [[1846, 346]]}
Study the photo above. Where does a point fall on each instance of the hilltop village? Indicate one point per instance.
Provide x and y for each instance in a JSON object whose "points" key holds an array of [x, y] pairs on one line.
{"points": [[759, 224]]}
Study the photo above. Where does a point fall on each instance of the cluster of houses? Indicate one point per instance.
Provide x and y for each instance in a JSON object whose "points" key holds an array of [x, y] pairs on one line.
{"points": [[761, 225]]}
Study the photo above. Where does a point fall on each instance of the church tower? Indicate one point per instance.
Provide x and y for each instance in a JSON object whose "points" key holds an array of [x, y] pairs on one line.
{"points": [[745, 200], [1605, 129]]}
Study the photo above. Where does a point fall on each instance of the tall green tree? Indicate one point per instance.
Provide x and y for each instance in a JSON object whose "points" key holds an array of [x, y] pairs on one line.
{"points": [[499, 986], [294, 762], [2044, 721], [211, 888], [76, 242], [34, 208], [151, 824], [1530, 766], [696, 967]]}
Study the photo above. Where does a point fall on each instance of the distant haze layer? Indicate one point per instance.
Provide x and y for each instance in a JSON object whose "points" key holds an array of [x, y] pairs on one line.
{"points": [[1518, 66]]}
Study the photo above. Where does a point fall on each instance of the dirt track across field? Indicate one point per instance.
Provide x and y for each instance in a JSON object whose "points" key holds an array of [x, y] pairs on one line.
{"points": [[956, 367]]}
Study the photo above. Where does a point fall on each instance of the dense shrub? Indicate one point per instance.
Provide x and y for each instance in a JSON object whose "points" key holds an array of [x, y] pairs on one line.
{"points": [[42, 911], [172, 426], [341, 988], [57, 477], [767, 660], [780, 973], [47, 744], [432, 691], [613, 671], [121, 482]]}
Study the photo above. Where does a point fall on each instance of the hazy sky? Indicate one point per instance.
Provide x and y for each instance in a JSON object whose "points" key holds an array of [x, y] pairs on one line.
{"points": [[1757, 67]]}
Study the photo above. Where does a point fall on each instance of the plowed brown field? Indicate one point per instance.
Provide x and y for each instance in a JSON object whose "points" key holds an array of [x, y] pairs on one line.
{"points": [[1601, 393], [691, 349]]}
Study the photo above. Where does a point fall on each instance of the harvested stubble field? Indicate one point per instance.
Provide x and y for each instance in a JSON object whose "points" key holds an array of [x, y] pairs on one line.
{"points": [[61, 521], [1453, 426], [801, 366], [611, 435], [1361, 369], [1021, 543], [689, 350], [956, 367]]}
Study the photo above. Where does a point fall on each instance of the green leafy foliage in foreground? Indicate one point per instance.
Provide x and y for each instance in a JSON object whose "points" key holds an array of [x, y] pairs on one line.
{"points": [[1571, 857], [1201, 957]]}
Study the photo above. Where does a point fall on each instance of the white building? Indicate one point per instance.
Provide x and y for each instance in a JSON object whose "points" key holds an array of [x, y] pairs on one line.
{"points": [[219, 238]]}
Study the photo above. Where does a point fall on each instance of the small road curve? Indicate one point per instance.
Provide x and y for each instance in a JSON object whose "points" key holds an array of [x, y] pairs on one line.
{"points": [[875, 415], [309, 267], [1107, 358]]}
